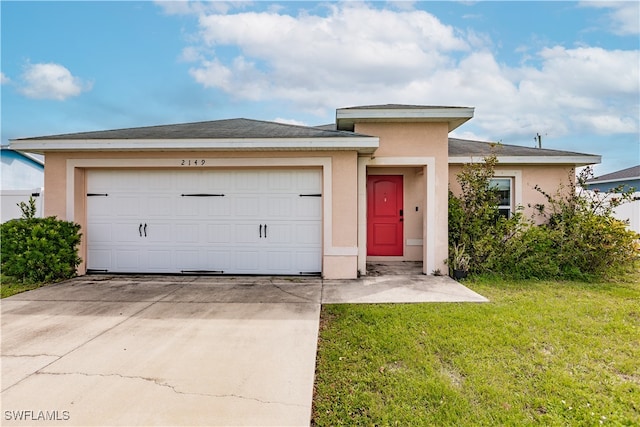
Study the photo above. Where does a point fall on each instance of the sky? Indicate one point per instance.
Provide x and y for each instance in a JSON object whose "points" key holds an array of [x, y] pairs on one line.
{"points": [[568, 71]]}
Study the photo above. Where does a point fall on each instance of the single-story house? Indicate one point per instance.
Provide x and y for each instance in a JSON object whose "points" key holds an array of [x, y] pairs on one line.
{"points": [[244, 196], [627, 179], [22, 177]]}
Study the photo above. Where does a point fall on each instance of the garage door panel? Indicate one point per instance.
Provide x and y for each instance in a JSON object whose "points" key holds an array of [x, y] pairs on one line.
{"points": [[218, 230], [308, 207], [159, 260], [188, 259], [307, 262], [218, 260], [279, 234], [247, 233], [308, 234], [158, 232], [187, 233], [246, 262], [219, 233], [246, 181], [127, 260], [279, 207], [100, 233], [278, 261], [100, 258], [126, 206], [247, 206], [126, 232], [100, 206], [160, 206]]}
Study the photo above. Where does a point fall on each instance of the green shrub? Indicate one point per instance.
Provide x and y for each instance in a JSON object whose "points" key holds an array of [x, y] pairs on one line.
{"points": [[474, 219], [39, 250], [579, 238]]}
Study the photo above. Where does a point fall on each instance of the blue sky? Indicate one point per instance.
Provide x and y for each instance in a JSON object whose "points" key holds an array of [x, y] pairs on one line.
{"points": [[566, 70]]}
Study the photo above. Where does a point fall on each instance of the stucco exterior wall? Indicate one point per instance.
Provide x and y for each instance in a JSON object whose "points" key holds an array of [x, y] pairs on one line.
{"points": [[550, 178], [340, 247], [418, 140]]}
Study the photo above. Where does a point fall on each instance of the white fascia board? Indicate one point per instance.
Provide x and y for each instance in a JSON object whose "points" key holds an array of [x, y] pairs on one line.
{"points": [[364, 145], [533, 160], [408, 113]]}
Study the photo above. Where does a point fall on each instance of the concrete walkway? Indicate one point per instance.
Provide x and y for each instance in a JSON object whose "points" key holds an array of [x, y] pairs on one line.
{"points": [[165, 350]]}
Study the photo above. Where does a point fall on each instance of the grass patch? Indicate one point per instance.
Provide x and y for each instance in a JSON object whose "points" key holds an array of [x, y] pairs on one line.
{"points": [[10, 286], [540, 353]]}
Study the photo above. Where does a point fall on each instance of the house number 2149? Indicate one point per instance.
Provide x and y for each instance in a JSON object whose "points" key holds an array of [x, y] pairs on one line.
{"points": [[192, 162]]}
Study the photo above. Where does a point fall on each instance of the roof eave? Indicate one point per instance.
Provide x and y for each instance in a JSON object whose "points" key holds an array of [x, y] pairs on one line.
{"points": [[608, 181], [454, 116], [577, 160], [365, 145]]}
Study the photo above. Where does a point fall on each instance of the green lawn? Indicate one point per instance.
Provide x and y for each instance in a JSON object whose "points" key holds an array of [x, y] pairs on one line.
{"points": [[10, 286], [540, 353]]}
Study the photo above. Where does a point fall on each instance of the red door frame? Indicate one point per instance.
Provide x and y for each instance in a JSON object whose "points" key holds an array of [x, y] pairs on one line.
{"points": [[385, 205]]}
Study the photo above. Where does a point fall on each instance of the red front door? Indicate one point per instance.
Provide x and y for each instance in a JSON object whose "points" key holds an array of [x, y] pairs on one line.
{"points": [[384, 215]]}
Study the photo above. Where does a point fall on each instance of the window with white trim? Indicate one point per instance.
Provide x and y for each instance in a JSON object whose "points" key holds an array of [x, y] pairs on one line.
{"points": [[503, 187]]}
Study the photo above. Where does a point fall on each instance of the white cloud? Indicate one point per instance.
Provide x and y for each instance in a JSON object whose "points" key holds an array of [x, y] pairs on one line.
{"points": [[187, 7], [290, 121], [624, 18], [51, 81], [4, 79], [356, 54]]}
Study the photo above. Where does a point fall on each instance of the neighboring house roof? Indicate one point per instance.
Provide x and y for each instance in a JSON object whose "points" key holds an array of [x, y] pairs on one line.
{"points": [[34, 159], [20, 171], [628, 174], [230, 134], [469, 151]]}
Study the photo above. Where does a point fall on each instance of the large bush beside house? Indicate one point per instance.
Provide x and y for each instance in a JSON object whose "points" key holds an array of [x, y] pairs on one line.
{"points": [[39, 250], [579, 238]]}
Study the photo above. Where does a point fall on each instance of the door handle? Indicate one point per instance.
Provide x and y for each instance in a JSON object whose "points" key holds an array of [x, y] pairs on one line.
{"points": [[140, 229], [265, 231], [261, 231], [145, 229]]}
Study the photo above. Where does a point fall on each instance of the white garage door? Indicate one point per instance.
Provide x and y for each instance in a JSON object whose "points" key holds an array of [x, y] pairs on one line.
{"points": [[204, 221]]}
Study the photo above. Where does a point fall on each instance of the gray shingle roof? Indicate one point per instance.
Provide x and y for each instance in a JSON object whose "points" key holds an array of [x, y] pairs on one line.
{"points": [[467, 148], [217, 129], [625, 174]]}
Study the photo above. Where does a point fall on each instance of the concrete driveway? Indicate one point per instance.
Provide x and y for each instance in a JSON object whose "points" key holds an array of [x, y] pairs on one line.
{"points": [[160, 351], [154, 350]]}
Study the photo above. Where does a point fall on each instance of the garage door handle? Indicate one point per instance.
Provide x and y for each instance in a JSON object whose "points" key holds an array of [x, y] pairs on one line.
{"points": [[265, 231], [145, 229], [261, 231], [140, 229]]}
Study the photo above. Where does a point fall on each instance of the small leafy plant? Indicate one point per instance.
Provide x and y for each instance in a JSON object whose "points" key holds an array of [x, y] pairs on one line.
{"points": [[39, 250]]}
